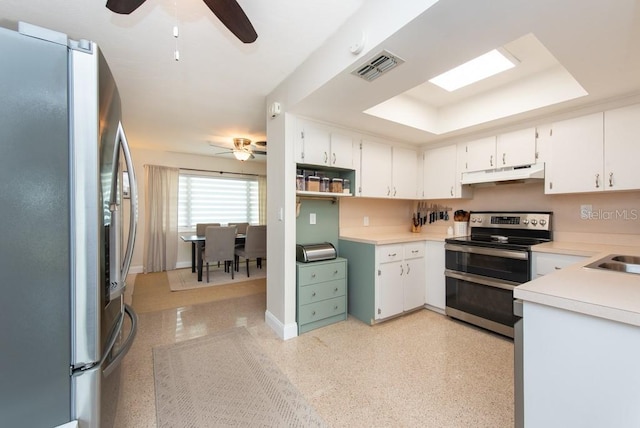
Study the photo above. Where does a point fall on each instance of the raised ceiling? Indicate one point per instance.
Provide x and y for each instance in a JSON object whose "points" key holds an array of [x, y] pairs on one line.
{"points": [[217, 90]]}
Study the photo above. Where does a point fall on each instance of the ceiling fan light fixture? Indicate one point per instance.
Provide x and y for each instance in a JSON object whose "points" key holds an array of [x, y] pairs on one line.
{"points": [[242, 155]]}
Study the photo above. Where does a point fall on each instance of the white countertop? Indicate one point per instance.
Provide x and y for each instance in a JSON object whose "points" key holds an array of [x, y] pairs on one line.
{"points": [[389, 237], [601, 293]]}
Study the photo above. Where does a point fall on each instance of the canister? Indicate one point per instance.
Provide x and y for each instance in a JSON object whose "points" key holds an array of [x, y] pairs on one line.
{"points": [[346, 185], [336, 185], [324, 184], [312, 183], [300, 182]]}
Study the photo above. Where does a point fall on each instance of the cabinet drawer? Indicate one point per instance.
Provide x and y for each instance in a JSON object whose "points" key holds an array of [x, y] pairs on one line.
{"points": [[544, 264], [317, 292], [314, 273], [320, 310], [414, 250], [389, 253]]}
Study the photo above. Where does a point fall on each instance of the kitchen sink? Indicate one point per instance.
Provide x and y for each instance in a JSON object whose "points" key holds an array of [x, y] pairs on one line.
{"points": [[617, 263]]}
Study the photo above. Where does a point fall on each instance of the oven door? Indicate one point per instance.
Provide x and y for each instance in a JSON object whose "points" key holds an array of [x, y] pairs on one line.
{"points": [[509, 265], [482, 301]]}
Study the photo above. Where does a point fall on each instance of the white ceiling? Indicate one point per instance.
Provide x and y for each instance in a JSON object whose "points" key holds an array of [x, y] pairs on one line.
{"points": [[217, 90]]}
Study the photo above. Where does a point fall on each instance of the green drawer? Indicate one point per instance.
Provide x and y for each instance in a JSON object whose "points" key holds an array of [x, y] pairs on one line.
{"points": [[313, 273], [320, 310], [326, 290]]}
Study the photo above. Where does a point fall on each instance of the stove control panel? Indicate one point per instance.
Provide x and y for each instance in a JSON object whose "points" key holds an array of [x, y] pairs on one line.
{"points": [[506, 220]]}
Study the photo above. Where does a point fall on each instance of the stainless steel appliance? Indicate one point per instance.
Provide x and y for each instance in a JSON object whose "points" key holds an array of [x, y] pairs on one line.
{"points": [[65, 252], [315, 252], [482, 269]]}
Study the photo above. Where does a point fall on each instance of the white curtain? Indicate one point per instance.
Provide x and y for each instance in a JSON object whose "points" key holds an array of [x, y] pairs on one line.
{"points": [[262, 199], [161, 218]]}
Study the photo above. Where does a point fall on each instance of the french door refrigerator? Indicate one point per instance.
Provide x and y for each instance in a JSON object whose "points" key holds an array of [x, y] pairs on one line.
{"points": [[65, 251]]}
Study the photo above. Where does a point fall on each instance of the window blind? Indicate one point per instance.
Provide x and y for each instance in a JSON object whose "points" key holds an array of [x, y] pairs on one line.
{"points": [[207, 199]]}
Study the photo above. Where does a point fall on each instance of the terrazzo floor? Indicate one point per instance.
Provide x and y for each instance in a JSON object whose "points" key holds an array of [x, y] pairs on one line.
{"points": [[420, 370]]}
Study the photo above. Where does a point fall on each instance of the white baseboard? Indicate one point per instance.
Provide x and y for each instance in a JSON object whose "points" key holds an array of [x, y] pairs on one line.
{"points": [[136, 269], [284, 332]]}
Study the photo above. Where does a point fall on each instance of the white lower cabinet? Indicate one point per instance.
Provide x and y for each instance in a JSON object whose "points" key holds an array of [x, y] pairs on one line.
{"points": [[547, 263], [400, 278], [435, 280]]}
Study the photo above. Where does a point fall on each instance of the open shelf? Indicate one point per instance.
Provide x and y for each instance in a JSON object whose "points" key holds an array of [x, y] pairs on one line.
{"points": [[322, 194]]}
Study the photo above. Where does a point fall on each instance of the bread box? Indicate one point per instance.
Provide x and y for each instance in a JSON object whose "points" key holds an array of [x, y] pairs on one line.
{"points": [[315, 252]]}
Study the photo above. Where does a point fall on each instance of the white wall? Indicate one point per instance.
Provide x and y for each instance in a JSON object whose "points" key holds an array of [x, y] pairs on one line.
{"points": [[143, 157]]}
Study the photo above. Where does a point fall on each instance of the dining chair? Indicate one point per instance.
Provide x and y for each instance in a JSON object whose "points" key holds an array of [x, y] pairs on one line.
{"points": [[255, 246], [202, 227], [219, 247], [242, 227]]}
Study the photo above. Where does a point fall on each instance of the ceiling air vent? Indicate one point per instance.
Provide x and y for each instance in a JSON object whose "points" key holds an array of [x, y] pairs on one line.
{"points": [[377, 66]]}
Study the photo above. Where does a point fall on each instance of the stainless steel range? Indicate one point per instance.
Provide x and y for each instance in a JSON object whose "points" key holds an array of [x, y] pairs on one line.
{"points": [[482, 269]]}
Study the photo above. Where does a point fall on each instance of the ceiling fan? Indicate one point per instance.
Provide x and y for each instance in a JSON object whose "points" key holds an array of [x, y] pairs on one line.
{"points": [[228, 12], [243, 149]]}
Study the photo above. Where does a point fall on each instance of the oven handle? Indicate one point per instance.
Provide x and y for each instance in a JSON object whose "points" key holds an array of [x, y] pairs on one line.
{"points": [[519, 255], [477, 279]]}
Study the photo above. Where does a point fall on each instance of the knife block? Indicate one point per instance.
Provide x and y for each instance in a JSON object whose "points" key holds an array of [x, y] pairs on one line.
{"points": [[416, 229]]}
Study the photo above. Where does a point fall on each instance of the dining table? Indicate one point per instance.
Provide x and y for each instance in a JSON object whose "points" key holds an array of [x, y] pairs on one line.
{"points": [[197, 245]]}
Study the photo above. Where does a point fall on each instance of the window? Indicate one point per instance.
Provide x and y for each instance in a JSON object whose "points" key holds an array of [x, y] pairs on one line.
{"points": [[208, 199]]}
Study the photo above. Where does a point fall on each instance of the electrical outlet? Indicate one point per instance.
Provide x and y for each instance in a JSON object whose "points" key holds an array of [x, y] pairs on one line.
{"points": [[312, 218], [365, 221]]}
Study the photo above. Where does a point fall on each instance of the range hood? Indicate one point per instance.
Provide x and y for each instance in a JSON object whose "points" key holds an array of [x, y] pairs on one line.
{"points": [[502, 175]]}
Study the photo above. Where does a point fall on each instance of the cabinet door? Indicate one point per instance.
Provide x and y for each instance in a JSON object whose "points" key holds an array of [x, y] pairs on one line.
{"points": [[440, 173], [375, 169], [516, 148], [622, 148], [389, 293], [414, 283], [481, 154], [435, 288], [341, 151], [576, 156], [404, 173], [316, 144]]}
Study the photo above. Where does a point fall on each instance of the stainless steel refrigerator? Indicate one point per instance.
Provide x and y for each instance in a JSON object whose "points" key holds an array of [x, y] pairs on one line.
{"points": [[64, 250]]}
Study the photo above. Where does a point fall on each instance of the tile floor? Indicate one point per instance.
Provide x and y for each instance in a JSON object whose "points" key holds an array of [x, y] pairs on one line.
{"points": [[420, 370]]}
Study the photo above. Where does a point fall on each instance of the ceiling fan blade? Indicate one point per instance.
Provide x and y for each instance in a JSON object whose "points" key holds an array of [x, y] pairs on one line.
{"points": [[124, 7], [233, 17]]}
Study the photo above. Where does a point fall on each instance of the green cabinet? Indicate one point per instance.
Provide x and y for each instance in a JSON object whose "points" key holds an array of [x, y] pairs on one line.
{"points": [[321, 293]]}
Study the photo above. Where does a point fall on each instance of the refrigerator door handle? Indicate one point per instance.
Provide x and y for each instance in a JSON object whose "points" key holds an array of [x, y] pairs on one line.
{"points": [[127, 343], [79, 369], [133, 214]]}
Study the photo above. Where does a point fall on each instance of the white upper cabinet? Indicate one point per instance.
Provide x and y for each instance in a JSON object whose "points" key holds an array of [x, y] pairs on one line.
{"points": [[503, 151], [341, 151], [622, 148], [516, 148], [440, 177], [375, 169], [576, 157], [480, 154], [387, 171], [318, 144], [404, 173]]}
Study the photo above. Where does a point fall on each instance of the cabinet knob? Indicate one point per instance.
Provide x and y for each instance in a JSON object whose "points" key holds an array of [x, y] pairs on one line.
{"points": [[313, 275], [334, 158], [401, 270], [335, 272], [326, 157], [504, 159], [451, 191], [491, 160], [313, 294], [611, 179], [313, 313], [408, 269], [335, 290], [335, 308], [597, 181], [388, 191]]}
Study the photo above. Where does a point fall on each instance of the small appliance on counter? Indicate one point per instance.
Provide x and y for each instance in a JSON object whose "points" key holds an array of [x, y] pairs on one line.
{"points": [[315, 252]]}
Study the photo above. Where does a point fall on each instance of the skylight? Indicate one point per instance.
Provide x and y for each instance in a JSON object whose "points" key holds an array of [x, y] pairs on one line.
{"points": [[482, 67]]}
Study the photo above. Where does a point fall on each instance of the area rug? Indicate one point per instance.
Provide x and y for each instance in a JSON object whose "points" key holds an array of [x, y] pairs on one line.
{"points": [[184, 279], [225, 379]]}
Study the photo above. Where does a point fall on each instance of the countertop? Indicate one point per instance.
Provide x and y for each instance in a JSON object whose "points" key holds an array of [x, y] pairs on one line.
{"points": [[391, 237], [605, 294]]}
